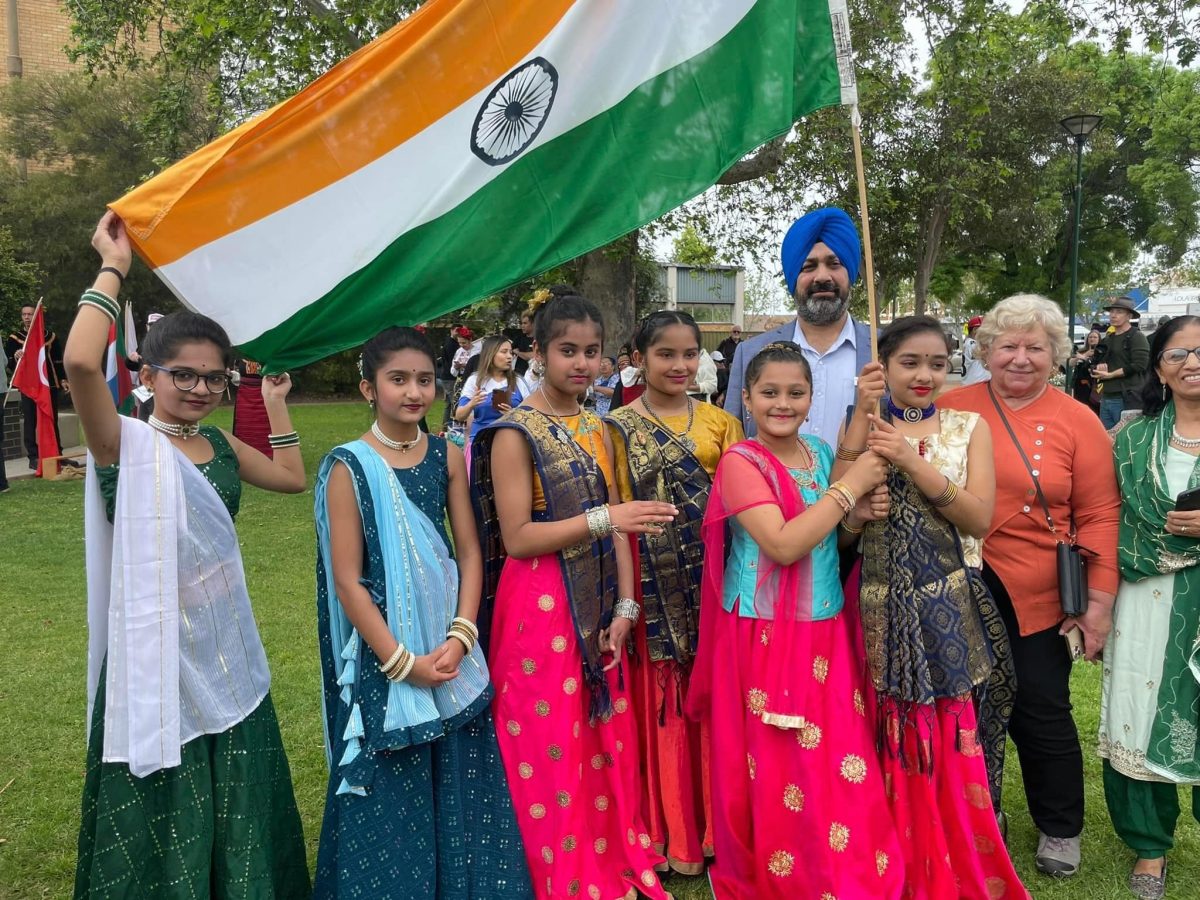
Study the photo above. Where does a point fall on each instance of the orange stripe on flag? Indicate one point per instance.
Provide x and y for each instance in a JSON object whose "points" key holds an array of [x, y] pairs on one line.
{"points": [[425, 67]]}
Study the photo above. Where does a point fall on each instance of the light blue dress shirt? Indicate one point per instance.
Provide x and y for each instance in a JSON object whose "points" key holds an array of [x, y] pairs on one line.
{"points": [[833, 375]]}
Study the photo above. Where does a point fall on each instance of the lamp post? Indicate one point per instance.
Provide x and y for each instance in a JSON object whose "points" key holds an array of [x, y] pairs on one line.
{"points": [[1078, 127]]}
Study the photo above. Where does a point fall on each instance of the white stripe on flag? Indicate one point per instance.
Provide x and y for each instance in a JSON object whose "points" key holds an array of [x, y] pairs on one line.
{"points": [[256, 277]]}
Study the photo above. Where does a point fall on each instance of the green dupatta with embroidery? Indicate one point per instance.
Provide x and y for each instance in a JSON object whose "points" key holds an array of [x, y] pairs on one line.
{"points": [[1146, 550]]}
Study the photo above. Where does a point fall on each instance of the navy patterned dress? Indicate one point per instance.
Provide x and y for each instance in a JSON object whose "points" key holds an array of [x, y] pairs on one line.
{"points": [[437, 819]]}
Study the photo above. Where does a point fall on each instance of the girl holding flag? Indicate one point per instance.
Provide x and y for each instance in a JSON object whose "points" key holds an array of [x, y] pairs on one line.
{"points": [[417, 804], [556, 562], [187, 789]]}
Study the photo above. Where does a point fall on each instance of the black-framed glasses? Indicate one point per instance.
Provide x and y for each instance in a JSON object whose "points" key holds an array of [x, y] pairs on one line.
{"points": [[1177, 356], [186, 379]]}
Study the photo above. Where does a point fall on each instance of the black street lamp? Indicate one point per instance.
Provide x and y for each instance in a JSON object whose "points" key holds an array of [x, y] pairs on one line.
{"points": [[1078, 127]]}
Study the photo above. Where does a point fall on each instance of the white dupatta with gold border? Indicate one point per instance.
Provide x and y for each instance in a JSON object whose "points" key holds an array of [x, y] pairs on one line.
{"points": [[167, 607]]}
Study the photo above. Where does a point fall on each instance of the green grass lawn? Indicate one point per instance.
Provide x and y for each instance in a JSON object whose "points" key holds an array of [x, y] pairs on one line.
{"points": [[43, 664]]}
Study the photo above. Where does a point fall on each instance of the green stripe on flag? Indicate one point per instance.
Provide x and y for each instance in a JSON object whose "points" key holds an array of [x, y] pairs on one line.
{"points": [[662, 145]]}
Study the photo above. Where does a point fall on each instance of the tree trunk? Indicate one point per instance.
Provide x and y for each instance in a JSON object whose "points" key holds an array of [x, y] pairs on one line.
{"points": [[606, 277], [931, 245]]}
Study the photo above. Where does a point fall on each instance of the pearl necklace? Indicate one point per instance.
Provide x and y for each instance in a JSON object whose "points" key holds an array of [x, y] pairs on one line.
{"points": [[1184, 443], [402, 446], [172, 429]]}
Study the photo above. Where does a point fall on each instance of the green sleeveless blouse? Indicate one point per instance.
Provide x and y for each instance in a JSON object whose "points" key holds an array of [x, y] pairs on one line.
{"points": [[221, 471]]}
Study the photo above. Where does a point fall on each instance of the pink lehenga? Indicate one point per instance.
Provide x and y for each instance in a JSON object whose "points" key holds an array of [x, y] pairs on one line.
{"points": [[565, 727], [798, 796], [934, 642]]}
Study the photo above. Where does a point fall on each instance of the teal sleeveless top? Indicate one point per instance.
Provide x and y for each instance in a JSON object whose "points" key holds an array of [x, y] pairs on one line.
{"points": [[741, 569], [427, 484]]}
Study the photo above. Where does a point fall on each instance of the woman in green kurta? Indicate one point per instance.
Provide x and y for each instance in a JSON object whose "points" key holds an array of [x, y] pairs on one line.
{"points": [[1150, 707], [187, 791]]}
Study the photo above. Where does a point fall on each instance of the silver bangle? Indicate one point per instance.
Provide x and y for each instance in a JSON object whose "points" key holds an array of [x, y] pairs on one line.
{"points": [[599, 522], [627, 608]]}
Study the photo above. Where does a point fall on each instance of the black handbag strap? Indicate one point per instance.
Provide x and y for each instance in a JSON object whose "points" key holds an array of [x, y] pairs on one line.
{"points": [[1037, 485]]}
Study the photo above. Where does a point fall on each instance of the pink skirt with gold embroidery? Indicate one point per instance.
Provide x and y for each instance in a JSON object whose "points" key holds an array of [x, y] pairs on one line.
{"points": [[947, 827], [575, 784], [798, 812]]}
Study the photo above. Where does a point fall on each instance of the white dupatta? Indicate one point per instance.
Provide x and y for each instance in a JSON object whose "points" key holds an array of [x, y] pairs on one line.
{"points": [[167, 607]]}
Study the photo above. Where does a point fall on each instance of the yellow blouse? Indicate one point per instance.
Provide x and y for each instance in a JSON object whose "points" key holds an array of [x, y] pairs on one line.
{"points": [[588, 432], [713, 431]]}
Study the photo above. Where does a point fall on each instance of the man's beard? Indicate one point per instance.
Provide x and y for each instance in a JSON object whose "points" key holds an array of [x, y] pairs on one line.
{"points": [[822, 311]]}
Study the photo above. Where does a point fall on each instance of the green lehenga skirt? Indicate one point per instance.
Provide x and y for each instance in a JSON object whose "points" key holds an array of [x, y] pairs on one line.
{"points": [[222, 824]]}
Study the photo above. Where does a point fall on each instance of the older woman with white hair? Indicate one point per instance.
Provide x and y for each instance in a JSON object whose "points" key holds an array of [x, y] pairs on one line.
{"points": [[1054, 478]]}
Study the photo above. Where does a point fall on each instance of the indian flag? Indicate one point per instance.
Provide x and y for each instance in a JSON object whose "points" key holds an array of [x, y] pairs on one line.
{"points": [[473, 145]]}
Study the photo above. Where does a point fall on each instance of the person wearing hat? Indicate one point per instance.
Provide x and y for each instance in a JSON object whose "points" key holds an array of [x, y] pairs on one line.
{"points": [[821, 255], [974, 371], [1125, 359]]}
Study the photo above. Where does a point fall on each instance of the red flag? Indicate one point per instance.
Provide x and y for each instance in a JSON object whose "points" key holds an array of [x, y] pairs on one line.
{"points": [[31, 378]]}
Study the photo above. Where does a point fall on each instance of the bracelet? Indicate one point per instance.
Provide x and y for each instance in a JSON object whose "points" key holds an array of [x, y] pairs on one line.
{"points": [[470, 626], [849, 455], [405, 669], [280, 441], [599, 522], [102, 302], [393, 659], [627, 608], [850, 529], [467, 643], [120, 275], [467, 638], [842, 495], [946, 497]]}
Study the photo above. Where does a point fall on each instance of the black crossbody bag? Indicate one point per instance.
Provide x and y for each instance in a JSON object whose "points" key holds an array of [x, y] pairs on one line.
{"points": [[1069, 556]]}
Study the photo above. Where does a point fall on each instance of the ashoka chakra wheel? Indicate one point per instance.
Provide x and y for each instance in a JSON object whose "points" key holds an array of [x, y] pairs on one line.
{"points": [[514, 112]]}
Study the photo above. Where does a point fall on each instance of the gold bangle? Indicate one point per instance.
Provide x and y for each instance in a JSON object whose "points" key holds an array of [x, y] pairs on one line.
{"points": [[393, 659], [845, 497], [459, 630], [849, 455], [467, 624], [461, 638], [850, 529], [946, 497], [409, 662]]}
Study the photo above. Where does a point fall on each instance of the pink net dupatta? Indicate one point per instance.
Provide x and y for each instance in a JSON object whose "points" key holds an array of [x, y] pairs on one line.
{"points": [[749, 475]]}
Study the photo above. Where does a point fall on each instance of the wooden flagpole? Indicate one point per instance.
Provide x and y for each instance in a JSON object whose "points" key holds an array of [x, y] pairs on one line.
{"points": [[868, 257], [839, 17]]}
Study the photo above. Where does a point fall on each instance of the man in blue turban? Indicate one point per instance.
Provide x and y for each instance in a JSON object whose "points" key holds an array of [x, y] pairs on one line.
{"points": [[821, 254]]}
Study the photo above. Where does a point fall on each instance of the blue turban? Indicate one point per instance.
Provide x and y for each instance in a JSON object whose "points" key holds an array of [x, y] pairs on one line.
{"points": [[828, 225]]}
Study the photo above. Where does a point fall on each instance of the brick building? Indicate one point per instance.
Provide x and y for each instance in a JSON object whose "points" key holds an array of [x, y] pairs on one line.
{"points": [[43, 30]]}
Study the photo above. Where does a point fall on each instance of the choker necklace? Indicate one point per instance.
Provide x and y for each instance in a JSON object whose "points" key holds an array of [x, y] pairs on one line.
{"points": [[168, 428], [402, 446], [1183, 443], [682, 437], [910, 414]]}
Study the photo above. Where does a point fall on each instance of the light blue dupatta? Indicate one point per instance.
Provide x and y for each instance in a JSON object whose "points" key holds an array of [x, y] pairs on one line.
{"points": [[420, 598]]}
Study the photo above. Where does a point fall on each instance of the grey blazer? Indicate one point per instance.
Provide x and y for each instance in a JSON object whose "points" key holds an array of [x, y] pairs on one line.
{"points": [[748, 348]]}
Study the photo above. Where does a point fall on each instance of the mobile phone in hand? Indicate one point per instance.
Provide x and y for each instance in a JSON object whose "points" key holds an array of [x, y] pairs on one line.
{"points": [[501, 397], [1188, 501]]}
